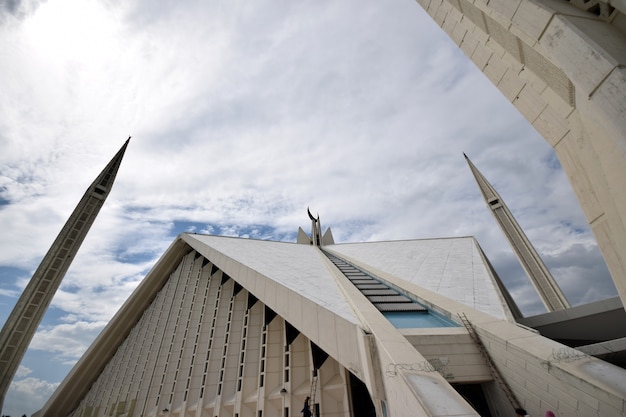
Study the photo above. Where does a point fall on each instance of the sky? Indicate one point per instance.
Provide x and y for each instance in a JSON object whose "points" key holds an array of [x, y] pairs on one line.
{"points": [[243, 114]]}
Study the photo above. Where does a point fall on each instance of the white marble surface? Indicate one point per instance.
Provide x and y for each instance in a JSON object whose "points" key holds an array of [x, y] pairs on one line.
{"points": [[300, 268], [451, 267]]}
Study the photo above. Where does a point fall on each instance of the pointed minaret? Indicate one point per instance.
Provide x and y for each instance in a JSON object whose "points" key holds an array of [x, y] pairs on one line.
{"points": [[23, 321], [539, 275]]}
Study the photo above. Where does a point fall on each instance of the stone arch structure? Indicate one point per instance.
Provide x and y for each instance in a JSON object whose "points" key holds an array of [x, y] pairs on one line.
{"points": [[562, 64]]}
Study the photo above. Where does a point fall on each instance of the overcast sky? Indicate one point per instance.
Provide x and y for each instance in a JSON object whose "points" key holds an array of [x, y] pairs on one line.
{"points": [[243, 114]]}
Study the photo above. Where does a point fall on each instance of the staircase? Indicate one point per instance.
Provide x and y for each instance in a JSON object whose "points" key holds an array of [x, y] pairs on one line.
{"points": [[384, 298]]}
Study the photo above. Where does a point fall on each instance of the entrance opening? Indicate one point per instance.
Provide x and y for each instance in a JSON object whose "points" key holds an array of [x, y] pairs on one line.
{"points": [[474, 395], [362, 405]]}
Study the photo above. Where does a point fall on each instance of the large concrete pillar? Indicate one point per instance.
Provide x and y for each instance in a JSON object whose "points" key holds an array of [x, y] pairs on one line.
{"points": [[563, 66]]}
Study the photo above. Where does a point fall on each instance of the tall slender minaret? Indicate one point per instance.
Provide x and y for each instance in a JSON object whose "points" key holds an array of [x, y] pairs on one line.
{"points": [[23, 321], [549, 291]]}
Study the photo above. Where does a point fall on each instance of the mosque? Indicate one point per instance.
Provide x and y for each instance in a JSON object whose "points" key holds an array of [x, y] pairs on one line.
{"points": [[225, 326], [236, 327]]}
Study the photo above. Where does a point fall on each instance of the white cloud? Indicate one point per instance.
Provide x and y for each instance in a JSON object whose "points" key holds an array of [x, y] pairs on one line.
{"points": [[25, 396], [9, 293], [67, 341], [22, 371]]}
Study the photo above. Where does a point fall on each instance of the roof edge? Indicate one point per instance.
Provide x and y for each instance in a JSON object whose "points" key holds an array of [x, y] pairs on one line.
{"points": [[80, 379]]}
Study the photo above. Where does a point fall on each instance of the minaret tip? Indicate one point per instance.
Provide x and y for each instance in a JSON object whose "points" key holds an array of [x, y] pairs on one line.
{"points": [[21, 325], [536, 270]]}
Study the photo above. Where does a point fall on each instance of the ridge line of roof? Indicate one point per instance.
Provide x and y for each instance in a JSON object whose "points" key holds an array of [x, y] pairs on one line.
{"points": [[335, 244]]}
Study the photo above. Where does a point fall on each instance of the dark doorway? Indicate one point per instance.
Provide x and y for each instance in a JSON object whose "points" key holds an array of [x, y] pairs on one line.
{"points": [[474, 395], [362, 405]]}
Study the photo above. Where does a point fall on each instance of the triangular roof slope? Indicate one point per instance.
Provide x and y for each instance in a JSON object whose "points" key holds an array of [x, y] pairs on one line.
{"points": [[300, 268], [291, 279], [455, 268]]}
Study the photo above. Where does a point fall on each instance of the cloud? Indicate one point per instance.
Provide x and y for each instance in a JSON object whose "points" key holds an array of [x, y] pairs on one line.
{"points": [[9, 293], [11, 6], [25, 396], [67, 341], [582, 273], [22, 371], [17, 9]]}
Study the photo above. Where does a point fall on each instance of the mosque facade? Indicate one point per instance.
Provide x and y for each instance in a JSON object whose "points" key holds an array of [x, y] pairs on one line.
{"points": [[227, 326]]}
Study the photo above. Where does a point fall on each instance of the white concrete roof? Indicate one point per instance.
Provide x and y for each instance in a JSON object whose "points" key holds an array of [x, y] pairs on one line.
{"points": [[298, 267], [451, 267]]}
